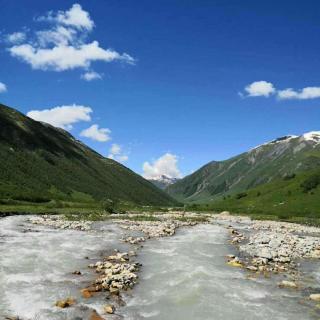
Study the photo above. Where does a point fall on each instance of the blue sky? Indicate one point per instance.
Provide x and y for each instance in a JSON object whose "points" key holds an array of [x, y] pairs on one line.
{"points": [[173, 76]]}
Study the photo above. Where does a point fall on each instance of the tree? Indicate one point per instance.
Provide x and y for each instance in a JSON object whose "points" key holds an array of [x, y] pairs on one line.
{"points": [[109, 205]]}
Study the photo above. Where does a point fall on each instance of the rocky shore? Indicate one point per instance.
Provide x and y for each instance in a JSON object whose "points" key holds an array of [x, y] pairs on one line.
{"points": [[58, 222], [270, 247]]}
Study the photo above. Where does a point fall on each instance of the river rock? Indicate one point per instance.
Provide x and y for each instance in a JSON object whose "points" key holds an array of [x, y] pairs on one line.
{"points": [[288, 284], [65, 303], [315, 297], [109, 308], [95, 316], [86, 293]]}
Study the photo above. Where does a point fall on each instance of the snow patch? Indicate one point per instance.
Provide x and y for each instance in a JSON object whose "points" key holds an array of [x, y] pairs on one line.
{"points": [[278, 140], [313, 136]]}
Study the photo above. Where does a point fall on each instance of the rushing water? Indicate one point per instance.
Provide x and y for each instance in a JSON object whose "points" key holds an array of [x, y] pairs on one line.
{"points": [[186, 277], [183, 277], [36, 267]]}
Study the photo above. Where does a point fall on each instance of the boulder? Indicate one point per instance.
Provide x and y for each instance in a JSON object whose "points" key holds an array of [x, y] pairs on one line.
{"points": [[77, 272], [315, 297], [86, 293], [95, 316], [109, 308], [65, 303], [234, 263], [288, 284]]}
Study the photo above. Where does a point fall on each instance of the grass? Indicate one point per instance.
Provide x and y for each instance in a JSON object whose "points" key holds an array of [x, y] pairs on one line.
{"points": [[285, 199]]}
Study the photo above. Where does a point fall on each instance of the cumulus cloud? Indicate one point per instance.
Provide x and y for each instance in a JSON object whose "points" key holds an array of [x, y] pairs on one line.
{"points": [[116, 153], [165, 165], [266, 89], [75, 17], [64, 45], [303, 94], [91, 75], [260, 88], [16, 37], [96, 133], [3, 87], [115, 149], [62, 116]]}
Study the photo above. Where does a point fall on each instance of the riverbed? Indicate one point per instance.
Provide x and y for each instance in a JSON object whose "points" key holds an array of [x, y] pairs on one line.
{"points": [[183, 277]]}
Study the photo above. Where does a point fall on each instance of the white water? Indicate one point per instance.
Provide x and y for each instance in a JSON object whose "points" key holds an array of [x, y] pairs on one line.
{"points": [[36, 267], [186, 277], [183, 277]]}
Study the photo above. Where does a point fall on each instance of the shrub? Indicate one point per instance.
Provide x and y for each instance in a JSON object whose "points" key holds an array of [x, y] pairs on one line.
{"points": [[109, 205], [289, 176], [310, 183], [241, 195]]}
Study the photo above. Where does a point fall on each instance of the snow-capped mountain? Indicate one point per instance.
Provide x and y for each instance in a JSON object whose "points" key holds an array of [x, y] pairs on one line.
{"points": [[163, 181], [277, 158]]}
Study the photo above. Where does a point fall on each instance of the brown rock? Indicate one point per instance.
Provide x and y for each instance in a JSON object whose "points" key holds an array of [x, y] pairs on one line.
{"points": [[77, 272], [65, 303], [315, 297], [114, 290], [109, 308], [96, 316], [86, 293]]}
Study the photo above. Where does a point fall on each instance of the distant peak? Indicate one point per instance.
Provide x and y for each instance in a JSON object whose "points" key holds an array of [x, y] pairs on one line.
{"points": [[162, 177], [284, 138], [312, 136], [278, 140]]}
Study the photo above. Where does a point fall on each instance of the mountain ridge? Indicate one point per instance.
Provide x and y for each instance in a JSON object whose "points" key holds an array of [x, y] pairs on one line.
{"points": [[40, 161], [262, 164]]}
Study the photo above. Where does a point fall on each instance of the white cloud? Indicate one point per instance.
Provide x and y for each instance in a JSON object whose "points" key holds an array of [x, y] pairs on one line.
{"points": [[61, 58], [303, 94], [57, 36], [16, 37], [165, 165], [115, 149], [96, 133], [265, 89], [260, 88], [62, 116], [116, 153], [75, 17], [3, 87], [91, 75], [63, 46], [122, 158]]}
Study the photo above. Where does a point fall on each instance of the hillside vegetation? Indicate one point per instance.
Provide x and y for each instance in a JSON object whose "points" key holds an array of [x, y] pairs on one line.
{"points": [[41, 163], [295, 197], [269, 162]]}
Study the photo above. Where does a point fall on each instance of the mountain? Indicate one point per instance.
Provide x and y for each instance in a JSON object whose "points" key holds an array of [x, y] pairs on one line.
{"points": [[293, 198], [163, 181], [278, 158], [39, 162]]}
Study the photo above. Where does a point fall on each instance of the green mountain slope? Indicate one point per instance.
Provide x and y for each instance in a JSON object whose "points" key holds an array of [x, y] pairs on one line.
{"points": [[263, 164], [295, 196], [39, 162]]}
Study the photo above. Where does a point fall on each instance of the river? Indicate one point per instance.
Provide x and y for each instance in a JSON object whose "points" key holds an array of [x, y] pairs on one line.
{"points": [[183, 277]]}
